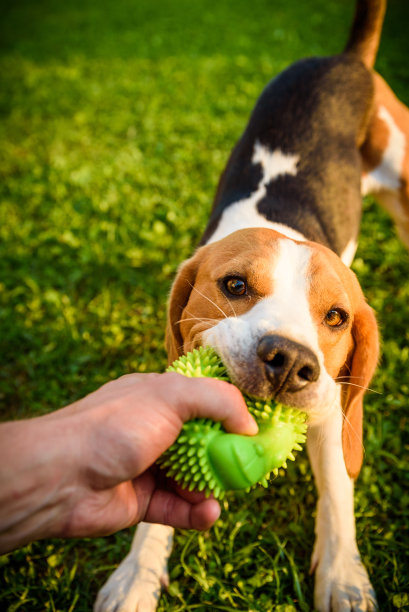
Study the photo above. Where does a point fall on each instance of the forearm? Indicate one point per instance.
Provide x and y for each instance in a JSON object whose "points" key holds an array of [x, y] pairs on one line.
{"points": [[84, 470], [36, 479]]}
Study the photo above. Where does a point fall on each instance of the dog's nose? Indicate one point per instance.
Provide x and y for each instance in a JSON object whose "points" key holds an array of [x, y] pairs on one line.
{"points": [[289, 366]]}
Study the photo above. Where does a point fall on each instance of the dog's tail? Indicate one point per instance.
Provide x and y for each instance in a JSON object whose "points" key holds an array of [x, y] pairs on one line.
{"points": [[366, 30]]}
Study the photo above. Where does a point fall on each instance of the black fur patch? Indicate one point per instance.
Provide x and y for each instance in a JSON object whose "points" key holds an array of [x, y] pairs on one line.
{"points": [[315, 109]]}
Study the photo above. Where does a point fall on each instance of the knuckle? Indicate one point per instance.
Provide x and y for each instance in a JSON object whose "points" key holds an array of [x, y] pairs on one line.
{"points": [[173, 377], [169, 511]]}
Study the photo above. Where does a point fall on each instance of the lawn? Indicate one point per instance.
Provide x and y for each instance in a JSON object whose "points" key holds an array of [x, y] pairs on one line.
{"points": [[117, 119]]}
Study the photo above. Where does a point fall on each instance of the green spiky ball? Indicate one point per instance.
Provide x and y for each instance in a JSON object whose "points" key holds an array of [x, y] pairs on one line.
{"points": [[202, 362], [206, 458]]}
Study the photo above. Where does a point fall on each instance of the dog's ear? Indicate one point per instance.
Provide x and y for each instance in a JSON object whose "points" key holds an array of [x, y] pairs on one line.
{"points": [[362, 367], [179, 297]]}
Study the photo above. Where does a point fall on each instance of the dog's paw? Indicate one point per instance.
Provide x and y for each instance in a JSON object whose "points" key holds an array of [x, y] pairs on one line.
{"points": [[132, 588], [342, 584]]}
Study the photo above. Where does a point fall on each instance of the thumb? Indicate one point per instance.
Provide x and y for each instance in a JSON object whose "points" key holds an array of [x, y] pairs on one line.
{"points": [[213, 399]]}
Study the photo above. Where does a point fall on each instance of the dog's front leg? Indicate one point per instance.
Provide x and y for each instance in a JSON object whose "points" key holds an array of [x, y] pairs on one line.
{"points": [[341, 581], [137, 581]]}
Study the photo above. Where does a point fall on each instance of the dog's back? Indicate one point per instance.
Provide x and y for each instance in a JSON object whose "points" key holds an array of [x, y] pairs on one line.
{"points": [[315, 113]]}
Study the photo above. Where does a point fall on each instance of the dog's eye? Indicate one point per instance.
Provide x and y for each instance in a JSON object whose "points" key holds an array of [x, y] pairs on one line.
{"points": [[235, 286], [336, 317]]}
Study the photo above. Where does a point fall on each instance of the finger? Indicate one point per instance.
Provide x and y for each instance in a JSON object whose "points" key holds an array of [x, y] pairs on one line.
{"points": [[205, 514], [214, 399], [193, 497], [168, 508], [155, 479]]}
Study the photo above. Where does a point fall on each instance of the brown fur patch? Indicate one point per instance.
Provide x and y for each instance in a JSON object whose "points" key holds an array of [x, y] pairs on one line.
{"points": [[373, 148], [197, 300], [396, 203], [366, 30], [328, 291], [354, 355]]}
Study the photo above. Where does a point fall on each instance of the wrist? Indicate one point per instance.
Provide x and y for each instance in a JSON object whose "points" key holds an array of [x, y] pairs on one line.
{"points": [[37, 478]]}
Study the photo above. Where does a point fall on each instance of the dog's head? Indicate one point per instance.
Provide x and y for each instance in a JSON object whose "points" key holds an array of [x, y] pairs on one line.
{"points": [[288, 319]]}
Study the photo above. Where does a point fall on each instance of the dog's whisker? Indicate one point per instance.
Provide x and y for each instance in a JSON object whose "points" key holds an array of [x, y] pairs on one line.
{"points": [[343, 382], [231, 306], [348, 368], [209, 300], [353, 430], [349, 377], [196, 319]]}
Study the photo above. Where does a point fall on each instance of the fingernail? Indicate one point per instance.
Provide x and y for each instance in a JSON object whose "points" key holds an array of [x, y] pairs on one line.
{"points": [[252, 428]]}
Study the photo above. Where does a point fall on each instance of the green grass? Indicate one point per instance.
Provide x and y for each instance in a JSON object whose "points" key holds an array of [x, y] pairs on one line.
{"points": [[117, 119]]}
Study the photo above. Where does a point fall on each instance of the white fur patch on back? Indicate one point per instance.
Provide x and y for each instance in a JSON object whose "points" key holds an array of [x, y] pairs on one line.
{"points": [[387, 174], [274, 163], [244, 214]]}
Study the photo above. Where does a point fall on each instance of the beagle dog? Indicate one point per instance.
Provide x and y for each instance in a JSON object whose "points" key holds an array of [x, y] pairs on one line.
{"points": [[271, 290]]}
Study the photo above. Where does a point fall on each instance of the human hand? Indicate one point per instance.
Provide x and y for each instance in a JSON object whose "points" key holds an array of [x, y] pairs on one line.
{"points": [[97, 456]]}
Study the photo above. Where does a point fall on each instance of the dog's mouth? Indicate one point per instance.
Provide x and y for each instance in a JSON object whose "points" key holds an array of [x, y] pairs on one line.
{"points": [[317, 399], [253, 378], [271, 366]]}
